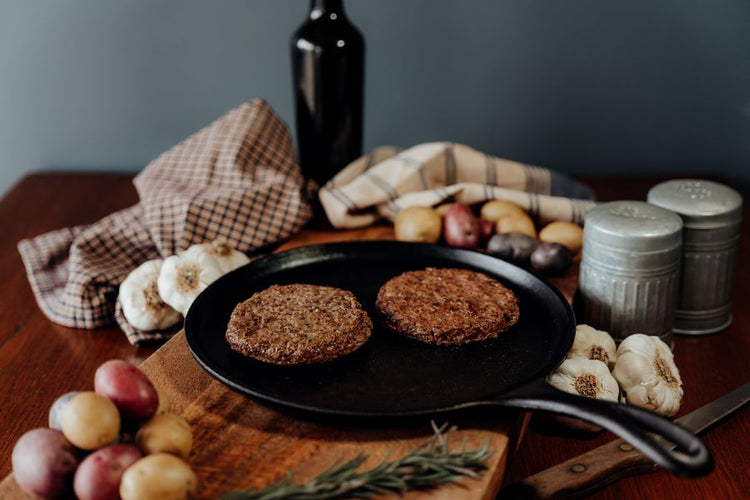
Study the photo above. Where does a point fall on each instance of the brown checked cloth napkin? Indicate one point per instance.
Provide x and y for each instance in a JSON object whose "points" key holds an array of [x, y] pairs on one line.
{"points": [[236, 180], [387, 180]]}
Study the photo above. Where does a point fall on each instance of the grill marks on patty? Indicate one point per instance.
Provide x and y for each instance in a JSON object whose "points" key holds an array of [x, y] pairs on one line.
{"points": [[447, 306], [298, 324]]}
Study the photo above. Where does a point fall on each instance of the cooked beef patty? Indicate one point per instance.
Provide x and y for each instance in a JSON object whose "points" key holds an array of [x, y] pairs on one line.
{"points": [[298, 324], [447, 306]]}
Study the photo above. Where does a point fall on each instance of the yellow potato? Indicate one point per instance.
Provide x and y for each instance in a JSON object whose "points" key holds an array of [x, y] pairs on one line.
{"points": [[516, 223], [165, 433], [443, 209], [164, 402], [565, 233], [419, 224], [90, 421], [494, 210], [158, 477]]}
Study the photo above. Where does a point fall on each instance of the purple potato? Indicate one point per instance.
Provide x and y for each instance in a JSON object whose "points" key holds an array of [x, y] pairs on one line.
{"points": [[56, 410], [98, 476], [43, 463], [460, 227], [551, 258], [513, 247]]}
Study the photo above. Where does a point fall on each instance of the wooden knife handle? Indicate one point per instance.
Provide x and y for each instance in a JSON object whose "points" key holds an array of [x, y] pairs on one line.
{"points": [[583, 474]]}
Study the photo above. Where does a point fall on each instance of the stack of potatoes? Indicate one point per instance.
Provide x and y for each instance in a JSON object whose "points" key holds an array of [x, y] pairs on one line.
{"points": [[502, 228], [117, 442]]}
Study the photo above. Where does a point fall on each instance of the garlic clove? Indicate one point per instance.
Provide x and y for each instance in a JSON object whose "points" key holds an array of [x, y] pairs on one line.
{"points": [[584, 377], [647, 373], [594, 344], [183, 277], [142, 306], [227, 257]]}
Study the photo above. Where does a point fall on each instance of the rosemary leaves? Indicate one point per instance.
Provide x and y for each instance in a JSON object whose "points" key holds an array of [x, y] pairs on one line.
{"points": [[425, 467]]}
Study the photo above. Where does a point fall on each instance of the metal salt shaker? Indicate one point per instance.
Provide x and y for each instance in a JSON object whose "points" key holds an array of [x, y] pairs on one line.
{"points": [[711, 216], [630, 269]]}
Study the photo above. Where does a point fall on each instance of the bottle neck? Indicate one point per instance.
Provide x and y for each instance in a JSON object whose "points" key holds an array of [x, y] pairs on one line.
{"points": [[319, 8]]}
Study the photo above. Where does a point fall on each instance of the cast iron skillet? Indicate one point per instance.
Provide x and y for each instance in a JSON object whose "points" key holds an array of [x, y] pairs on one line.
{"points": [[392, 376]]}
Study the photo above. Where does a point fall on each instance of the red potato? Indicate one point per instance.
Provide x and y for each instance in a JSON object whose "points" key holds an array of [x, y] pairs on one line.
{"points": [[128, 387], [98, 476], [43, 463], [460, 227], [486, 230]]}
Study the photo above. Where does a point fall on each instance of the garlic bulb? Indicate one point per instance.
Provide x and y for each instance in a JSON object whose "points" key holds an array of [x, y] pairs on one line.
{"points": [[186, 275], [228, 258], [594, 344], [584, 377], [141, 304], [647, 374]]}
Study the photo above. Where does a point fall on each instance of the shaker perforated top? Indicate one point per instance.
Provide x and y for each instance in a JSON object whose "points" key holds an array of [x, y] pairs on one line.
{"points": [[632, 226], [702, 204]]}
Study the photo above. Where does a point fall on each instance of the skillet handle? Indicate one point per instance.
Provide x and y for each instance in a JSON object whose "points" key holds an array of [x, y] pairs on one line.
{"points": [[631, 423]]}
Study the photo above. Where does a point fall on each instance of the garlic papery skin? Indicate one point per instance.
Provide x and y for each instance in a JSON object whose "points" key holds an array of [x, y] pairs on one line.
{"points": [[647, 374], [228, 258], [183, 277], [596, 344], [142, 306], [585, 377]]}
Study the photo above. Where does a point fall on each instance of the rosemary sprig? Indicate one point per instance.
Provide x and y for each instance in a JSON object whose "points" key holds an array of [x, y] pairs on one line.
{"points": [[427, 466]]}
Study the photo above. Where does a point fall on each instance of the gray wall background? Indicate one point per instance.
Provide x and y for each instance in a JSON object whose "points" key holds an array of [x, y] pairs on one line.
{"points": [[582, 86]]}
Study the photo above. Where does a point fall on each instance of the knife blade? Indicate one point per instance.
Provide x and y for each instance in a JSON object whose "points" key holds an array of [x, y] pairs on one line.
{"points": [[591, 471]]}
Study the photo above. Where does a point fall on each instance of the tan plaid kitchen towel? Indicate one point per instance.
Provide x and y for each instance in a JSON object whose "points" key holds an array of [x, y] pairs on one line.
{"points": [[387, 180], [236, 180]]}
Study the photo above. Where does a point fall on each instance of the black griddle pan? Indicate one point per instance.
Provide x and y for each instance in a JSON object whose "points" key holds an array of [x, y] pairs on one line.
{"points": [[393, 377]]}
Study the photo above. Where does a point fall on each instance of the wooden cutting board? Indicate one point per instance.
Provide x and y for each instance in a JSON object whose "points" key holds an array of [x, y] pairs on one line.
{"points": [[239, 443]]}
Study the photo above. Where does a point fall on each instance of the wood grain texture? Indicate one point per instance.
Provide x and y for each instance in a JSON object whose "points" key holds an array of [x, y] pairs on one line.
{"points": [[40, 360]]}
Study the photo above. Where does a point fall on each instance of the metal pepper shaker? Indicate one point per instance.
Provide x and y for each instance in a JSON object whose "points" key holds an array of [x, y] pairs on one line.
{"points": [[711, 216], [630, 269]]}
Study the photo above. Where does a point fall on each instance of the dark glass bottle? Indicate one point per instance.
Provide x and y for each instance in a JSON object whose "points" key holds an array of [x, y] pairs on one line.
{"points": [[328, 55]]}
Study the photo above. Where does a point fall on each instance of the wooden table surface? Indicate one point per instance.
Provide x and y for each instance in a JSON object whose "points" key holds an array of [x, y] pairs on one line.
{"points": [[40, 360]]}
